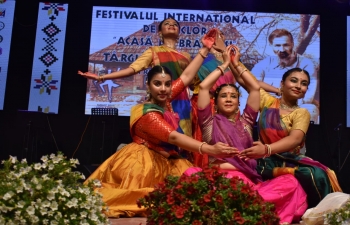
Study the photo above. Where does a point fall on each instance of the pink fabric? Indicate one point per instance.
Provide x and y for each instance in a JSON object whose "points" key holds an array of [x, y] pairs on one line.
{"points": [[284, 191]]}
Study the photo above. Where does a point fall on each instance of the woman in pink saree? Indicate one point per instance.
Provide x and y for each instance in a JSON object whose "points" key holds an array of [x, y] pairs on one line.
{"points": [[228, 125]]}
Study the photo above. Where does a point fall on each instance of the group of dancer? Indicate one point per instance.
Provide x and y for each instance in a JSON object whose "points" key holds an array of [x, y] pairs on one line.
{"points": [[167, 142]]}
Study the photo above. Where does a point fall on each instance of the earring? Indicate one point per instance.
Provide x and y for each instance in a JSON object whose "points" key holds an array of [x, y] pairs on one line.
{"points": [[280, 90], [216, 109], [148, 95]]}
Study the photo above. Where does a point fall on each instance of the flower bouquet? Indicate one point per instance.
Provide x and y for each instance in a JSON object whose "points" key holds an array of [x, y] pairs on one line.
{"points": [[47, 193], [340, 216], [206, 197]]}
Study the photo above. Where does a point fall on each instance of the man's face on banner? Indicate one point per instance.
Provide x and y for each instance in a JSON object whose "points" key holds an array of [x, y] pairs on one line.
{"points": [[282, 46]]}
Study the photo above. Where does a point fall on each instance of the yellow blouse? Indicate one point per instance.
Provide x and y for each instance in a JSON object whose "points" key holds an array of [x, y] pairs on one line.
{"points": [[299, 119]]}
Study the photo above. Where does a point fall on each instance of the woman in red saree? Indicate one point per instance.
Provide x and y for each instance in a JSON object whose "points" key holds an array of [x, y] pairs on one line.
{"points": [[133, 171], [227, 125]]}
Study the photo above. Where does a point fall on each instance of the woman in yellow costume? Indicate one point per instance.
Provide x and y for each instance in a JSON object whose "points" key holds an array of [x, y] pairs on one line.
{"points": [[165, 55], [134, 170], [282, 127]]}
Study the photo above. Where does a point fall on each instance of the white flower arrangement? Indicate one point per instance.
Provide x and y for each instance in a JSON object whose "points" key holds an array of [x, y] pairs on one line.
{"points": [[47, 193], [339, 216]]}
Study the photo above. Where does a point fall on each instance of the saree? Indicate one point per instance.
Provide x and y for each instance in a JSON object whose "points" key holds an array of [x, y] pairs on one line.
{"points": [[316, 179], [285, 191], [133, 171], [210, 64], [176, 62]]}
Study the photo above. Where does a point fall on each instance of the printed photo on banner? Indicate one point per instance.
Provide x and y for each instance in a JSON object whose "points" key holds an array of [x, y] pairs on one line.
{"points": [[270, 43]]}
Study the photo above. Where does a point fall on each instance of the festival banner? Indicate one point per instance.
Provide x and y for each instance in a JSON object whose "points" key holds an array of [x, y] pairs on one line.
{"points": [[7, 9], [120, 35], [48, 57]]}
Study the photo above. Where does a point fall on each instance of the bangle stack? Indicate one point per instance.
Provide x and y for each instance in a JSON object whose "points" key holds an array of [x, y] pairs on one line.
{"points": [[267, 151], [221, 69], [200, 148], [201, 54]]}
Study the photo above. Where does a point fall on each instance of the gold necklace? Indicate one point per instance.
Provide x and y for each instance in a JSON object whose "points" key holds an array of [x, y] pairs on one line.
{"points": [[216, 53], [283, 106], [232, 120], [172, 47]]}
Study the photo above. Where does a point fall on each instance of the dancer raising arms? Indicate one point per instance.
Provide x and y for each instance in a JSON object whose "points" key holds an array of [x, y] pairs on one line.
{"points": [[133, 171]]}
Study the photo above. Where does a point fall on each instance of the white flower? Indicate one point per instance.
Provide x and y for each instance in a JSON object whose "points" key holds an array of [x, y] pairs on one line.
{"points": [[72, 203], [20, 204], [8, 195], [43, 211], [50, 196], [19, 189], [97, 183], [46, 204], [51, 166], [44, 158], [37, 166], [54, 222], [54, 206], [13, 159], [56, 159], [83, 214], [73, 216], [74, 161], [30, 210]]}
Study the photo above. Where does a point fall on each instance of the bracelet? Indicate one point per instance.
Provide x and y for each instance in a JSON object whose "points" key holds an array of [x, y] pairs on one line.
{"points": [[242, 72], [201, 54], [267, 151], [99, 78], [222, 70], [200, 148], [102, 78]]}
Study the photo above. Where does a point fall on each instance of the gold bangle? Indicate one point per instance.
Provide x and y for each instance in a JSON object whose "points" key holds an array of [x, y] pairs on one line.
{"points": [[102, 78], [221, 69], [201, 54], [99, 78], [242, 72], [200, 148]]}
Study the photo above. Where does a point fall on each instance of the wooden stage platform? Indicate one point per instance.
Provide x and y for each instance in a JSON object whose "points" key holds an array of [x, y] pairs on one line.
{"points": [[132, 221]]}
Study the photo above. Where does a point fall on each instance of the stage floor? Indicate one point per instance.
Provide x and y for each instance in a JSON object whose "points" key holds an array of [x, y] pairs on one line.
{"points": [[132, 221]]}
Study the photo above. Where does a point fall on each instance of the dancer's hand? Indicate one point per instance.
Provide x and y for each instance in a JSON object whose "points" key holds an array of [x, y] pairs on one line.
{"points": [[255, 152], [226, 55], [209, 38], [235, 55], [220, 150], [219, 44], [88, 75]]}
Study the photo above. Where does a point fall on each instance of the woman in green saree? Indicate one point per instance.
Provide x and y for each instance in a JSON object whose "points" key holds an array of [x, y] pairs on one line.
{"points": [[282, 127]]}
